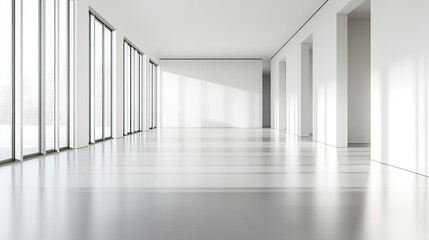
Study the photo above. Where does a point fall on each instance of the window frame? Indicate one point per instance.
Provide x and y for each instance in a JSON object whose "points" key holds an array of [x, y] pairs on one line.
{"points": [[131, 76], [94, 17], [12, 79]]}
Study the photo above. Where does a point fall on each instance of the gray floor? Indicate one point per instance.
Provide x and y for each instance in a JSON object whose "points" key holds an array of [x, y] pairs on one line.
{"points": [[186, 184]]}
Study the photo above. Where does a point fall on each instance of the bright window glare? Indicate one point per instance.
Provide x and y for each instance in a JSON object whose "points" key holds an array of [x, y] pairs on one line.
{"points": [[107, 82], [50, 74], [101, 80], [31, 77], [63, 74], [98, 84], [133, 72], [6, 80]]}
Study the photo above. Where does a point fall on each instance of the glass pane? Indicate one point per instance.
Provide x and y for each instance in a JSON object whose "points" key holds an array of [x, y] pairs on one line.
{"points": [[150, 95], [92, 80], [126, 87], [71, 36], [107, 82], [136, 93], [141, 93], [132, 99], [98, 84], [71, 55], [155, 78], [6, 80], [50, 74], [63, 74], [31, 77], [153, 94]]}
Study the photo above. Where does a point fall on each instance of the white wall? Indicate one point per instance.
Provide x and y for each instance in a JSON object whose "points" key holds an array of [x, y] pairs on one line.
{"points": [[125, 26], [329, 84], [400, 83], [399, 80], [211, 93], [359, 80]]}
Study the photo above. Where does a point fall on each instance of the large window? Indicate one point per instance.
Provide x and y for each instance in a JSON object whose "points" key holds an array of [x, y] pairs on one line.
{"points": [[50, 71], [133, 89], [31, 77], [57, 29], [64, 73], [34, 77], [153, 74], [101, 80], [6, 76]]}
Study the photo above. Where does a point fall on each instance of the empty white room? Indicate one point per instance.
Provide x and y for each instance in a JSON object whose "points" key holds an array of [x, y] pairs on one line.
{"points": [[209, 120]]}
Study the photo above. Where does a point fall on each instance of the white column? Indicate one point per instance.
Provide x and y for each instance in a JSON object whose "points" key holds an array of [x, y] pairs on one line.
{"points": [[342, 75]]}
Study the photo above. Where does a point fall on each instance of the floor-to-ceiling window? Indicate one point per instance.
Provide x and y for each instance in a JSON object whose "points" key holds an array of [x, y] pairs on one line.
{"points": [[107, 83], [155, 95], [137, 91], [31, 76], [64, 73], [50, 71], [127, 77], [150, 95], [56, 75], [153, 68], [133, 83], [101, 80], [6, 80], [34, 71]]}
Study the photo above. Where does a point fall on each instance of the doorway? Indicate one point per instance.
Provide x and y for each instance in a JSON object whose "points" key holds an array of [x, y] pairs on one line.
{"points": [[307, 87], [359, 75], [282, 95]]}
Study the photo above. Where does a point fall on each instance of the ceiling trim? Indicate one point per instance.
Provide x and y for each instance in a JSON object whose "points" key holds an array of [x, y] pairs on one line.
{"points": [[299, 29], [208, 59]]}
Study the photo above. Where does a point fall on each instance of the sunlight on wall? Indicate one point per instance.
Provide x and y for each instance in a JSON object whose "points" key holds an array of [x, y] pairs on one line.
{"points": [[292, 114], [399, 85], [400, 120], [199, 102], [399, 81]]}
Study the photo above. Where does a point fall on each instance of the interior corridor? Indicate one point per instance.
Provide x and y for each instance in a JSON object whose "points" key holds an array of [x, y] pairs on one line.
{"points": [[211, 184]]}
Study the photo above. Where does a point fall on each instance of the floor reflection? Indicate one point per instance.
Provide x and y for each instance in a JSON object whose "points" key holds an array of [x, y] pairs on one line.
{"points": [[211, 184]]}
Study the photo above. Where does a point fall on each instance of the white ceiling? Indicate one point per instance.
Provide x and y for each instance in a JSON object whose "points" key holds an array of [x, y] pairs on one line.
{"points": [[220, 28]]}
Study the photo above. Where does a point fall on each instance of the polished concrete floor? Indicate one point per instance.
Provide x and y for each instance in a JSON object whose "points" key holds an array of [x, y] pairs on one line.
{"points": [[205, 184]]}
